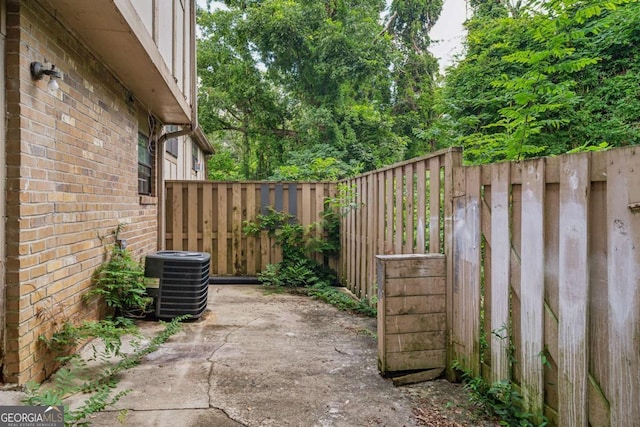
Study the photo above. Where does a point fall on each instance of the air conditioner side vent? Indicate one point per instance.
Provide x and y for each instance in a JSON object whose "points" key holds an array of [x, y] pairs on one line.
{"points": [[183, 282]]}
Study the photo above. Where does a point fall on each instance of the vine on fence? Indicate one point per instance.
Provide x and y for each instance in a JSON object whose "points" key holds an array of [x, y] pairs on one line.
{"points": [[300, 245]]}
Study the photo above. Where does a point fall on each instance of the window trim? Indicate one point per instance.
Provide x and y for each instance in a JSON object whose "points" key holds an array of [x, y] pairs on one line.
{"points": [[145, 164], [171, 145], [195, 157]]}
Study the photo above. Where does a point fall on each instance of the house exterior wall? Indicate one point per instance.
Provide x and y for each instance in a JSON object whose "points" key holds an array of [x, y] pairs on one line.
{"points": [[169, 24], [164, 34], [181, 167], [71, 179]]}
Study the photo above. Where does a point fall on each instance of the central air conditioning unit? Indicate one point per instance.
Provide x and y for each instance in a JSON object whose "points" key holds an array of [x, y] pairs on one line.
{"points": [[182, 285]]}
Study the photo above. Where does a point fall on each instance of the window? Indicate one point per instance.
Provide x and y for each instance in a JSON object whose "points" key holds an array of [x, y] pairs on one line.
{"points": [[195, 165], [171, 146], [144, 165]]}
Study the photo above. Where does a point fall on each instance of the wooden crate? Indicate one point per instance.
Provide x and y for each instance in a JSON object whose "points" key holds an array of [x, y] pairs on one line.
{"points": [[411, 312]]}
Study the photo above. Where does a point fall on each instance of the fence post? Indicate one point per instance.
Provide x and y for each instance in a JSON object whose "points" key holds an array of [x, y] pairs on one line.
{"points": [[452, 159]]}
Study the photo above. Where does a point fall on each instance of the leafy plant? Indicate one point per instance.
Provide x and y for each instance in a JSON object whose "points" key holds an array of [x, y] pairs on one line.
{"points": [[499, 399], [122, 283], [544, 78], [110, 331], [298, 270], [298, 245], [295, 274], [76, 377], [342, 301]]}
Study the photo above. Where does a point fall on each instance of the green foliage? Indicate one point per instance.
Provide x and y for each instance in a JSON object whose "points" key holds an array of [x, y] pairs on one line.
{"points": [[314, 90], [122, 283], [298, 268], [110, 331], [315, 165], [590, 148], [415, 72], [544, 79], [341, 300], [298, 244], [298, 273], [223, 165], [499, 399], [76, 376]]}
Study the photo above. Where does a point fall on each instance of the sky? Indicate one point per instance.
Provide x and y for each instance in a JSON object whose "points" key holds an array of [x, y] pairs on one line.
{"points": [[447, 34]]}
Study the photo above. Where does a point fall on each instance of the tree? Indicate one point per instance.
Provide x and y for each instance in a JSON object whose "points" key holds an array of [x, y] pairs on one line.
{"points": [[526, 86], [286, 76], [237, 104], [415, 71], [318, 78]]}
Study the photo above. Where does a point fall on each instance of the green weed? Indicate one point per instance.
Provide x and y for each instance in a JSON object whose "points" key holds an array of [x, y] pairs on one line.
{"points": [[77, 377]]}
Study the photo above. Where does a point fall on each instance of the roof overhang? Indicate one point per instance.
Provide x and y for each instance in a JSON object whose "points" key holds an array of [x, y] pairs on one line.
{"points": [[203, 142], [114, 32]]}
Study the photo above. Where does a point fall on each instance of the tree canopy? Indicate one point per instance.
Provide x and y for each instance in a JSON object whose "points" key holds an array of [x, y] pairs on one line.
{"points": [[544, 79], [289, 84], [322, 89]]}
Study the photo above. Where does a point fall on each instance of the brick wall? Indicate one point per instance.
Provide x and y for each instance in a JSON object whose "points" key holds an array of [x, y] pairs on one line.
{"points": [[71, 178]]}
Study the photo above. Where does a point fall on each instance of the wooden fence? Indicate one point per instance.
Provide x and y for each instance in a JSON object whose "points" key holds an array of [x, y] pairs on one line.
{"points": [[543, 270], [209, 216], [546, 272], [542, 259], [401, 210]]}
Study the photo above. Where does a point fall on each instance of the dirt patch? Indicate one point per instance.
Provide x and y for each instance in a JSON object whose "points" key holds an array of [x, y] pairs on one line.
{"points": [[441, 403]]}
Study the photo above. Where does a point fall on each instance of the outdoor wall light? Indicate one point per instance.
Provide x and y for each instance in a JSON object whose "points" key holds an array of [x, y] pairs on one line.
{"points": [[38, 71]]}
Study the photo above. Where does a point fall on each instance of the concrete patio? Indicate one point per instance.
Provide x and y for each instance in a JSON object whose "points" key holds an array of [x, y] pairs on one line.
{"points": [[257, 358]]}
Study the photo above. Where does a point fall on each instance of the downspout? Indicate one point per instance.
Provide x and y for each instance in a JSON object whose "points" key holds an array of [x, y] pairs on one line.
{"points": [[161, 193]]}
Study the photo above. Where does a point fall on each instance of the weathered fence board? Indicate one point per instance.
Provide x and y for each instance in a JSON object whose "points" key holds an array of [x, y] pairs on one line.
{"points": [[467, 268], [399, 210], [532, 291], [516, 265], [574, 290], [623, 189], [599, 378], [434, 201], [500, 271], [221, 236], [409, 197], [421, 206]]}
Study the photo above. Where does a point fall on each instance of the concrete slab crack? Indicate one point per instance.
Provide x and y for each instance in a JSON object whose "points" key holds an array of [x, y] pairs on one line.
{"points": [[225, 341], [226, 414]]}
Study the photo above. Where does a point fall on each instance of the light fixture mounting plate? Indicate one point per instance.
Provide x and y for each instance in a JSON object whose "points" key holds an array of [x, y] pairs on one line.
{"points": [[37, 70]]}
